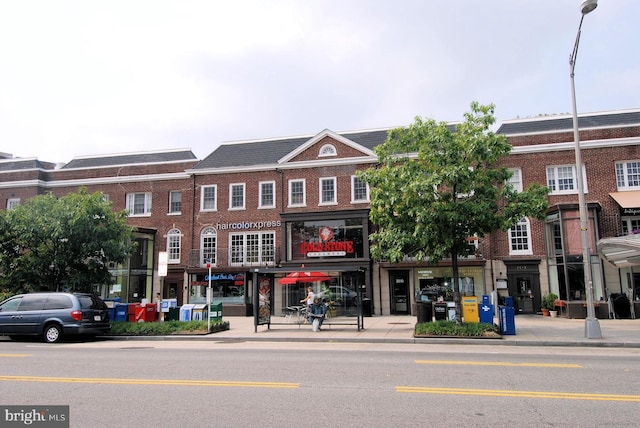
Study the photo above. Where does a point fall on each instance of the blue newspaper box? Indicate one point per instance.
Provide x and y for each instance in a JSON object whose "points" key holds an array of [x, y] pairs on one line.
{"points": [[485, 310], [508, 317], [122, 310]]}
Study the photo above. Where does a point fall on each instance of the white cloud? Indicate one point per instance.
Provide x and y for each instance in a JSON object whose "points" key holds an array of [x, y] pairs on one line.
{"points": [[80, 77]]}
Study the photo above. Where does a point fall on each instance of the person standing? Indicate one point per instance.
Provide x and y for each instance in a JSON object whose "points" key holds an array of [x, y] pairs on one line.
{"points": [[308, 301]]}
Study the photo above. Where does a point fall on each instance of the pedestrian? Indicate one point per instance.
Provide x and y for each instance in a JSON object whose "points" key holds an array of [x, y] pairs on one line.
{"points": [[308, 301], [317, 314]]}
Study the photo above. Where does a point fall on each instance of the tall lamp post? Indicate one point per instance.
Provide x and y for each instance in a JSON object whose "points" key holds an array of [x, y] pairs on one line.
{"points": [[592, 325]]}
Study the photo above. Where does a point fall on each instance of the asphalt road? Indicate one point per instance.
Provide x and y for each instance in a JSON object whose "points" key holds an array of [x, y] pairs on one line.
{"points": [[201, 383]]}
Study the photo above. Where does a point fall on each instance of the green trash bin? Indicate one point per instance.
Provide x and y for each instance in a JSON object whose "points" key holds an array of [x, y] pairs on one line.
{"points": [[173, 314]]}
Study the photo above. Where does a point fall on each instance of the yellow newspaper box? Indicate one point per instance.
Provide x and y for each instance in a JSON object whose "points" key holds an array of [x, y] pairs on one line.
{"points": [[470, 309]]}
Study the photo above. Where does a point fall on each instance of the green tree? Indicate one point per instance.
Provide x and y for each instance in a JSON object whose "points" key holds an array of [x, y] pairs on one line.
{"points": [[437, 186], [52, 243]]}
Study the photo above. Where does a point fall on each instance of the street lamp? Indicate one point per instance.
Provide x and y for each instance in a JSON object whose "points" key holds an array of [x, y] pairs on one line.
{"points": [[592, 325]]}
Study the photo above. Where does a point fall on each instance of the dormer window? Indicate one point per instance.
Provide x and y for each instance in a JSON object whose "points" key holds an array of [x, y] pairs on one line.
{"points": [[328, 150]]}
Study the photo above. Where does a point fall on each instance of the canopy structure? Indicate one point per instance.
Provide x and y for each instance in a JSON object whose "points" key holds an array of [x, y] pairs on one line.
{"points": [[622, 251], [304, 277]]}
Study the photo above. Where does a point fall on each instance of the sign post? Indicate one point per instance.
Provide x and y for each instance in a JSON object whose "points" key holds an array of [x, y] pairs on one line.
{"points": [[209, 299], [163, 259]]}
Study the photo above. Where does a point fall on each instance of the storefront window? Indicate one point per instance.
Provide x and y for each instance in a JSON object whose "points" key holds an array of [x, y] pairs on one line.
{"points": [[225, 288], [325, 239]]}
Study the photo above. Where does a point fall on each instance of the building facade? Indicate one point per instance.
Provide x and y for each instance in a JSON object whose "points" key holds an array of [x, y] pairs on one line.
{"points": [[259, 210]]}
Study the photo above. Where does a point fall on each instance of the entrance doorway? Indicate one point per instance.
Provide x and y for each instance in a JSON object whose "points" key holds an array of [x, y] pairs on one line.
{"points": [[399, 288], [524, 286]]}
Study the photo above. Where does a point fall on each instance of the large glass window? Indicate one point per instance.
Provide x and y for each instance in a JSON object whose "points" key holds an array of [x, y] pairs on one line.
{"points": [[628, 175], [562, 180], [325, 239], [252, 248], [520, 238], [173, 245], [564, 254], [208, 240]]}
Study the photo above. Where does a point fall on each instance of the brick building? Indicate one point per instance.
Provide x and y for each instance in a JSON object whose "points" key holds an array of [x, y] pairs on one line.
{"points": [[254, 211]]}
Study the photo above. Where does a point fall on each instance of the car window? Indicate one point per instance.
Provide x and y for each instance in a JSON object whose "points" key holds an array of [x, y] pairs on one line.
{"points": [[90, 302], [11, 305], [58, 301], [32, 303]]}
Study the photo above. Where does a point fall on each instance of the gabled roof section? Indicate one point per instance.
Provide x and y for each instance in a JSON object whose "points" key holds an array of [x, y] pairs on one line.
{"points": [[564, 123], [318, 137], [269, 152], [165, 156], [18, 164]]}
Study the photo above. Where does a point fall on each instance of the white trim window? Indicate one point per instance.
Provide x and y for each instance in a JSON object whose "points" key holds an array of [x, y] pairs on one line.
{"points": [[208, 246], [520, 238], [359, 190], [139, 204], [327, 191], [209, 198], [297, 194], [516, 179], [628, 175], [13, 203], [175, 202], [236, 196], [327, 150], [561, 180], [267, 194], [252, 248], [174, 245]]}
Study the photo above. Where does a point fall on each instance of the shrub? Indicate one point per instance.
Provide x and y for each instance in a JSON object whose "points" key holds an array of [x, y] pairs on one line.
{"points": [[165, 328], [450, 328]]}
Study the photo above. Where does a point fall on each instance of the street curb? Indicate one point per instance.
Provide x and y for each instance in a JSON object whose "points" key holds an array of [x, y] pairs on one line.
{"points": [[413, 340]]}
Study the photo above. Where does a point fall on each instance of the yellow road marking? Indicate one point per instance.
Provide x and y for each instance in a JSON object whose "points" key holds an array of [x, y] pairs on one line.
{"points": [[519, 394], [498, 363], [15, 355], [178, 382]]}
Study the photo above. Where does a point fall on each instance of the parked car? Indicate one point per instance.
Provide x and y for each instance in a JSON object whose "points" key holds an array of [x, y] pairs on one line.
{"points": [[53, 315], [343, 295]]}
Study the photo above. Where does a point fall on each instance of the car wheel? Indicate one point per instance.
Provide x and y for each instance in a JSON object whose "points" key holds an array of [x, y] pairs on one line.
{"points": [[52, 333]]}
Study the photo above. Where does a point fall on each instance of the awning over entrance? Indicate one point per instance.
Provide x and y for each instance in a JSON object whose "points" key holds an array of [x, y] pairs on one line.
{"points": [[629, 199], [623, 251]]}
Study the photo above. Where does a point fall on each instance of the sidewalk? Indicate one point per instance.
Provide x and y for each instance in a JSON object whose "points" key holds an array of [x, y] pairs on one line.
{"points": [[531, 330]]}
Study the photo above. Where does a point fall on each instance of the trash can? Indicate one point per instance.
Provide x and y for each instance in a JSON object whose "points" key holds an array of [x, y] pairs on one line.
{"points": [[424, 311], [366, 307], [440, 311]]}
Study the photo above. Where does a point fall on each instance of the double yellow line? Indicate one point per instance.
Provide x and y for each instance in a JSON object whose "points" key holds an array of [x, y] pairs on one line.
{"points": [[519, 394], [178, 382]]}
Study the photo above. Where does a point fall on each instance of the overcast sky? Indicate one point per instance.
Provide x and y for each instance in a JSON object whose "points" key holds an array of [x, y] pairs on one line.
{"points": [[99, 77]]}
